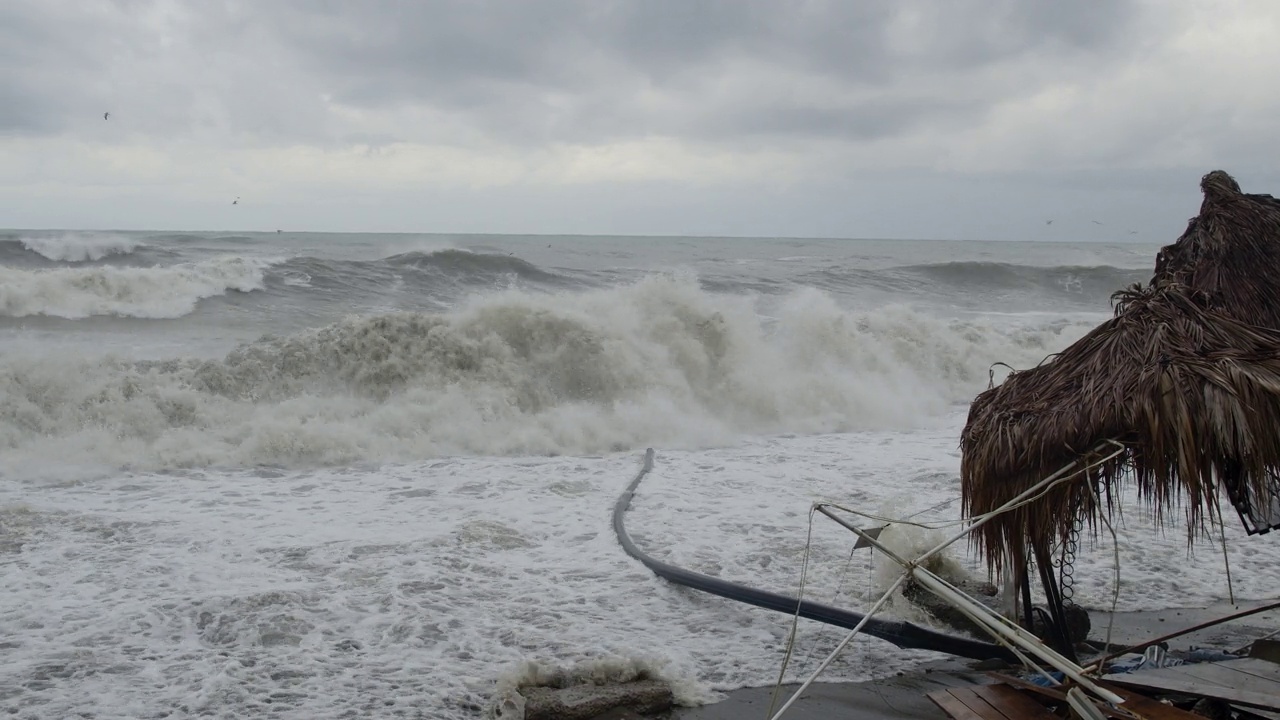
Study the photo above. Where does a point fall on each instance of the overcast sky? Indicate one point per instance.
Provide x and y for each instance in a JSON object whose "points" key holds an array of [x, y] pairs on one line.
{"points": [[850, 118]]}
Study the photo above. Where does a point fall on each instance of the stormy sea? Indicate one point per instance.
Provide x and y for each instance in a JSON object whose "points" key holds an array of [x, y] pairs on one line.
{"points": [[308, 475]]}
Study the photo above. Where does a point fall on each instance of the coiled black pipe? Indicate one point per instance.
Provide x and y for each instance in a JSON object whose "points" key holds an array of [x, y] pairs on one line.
{"points": [[902, 634]]}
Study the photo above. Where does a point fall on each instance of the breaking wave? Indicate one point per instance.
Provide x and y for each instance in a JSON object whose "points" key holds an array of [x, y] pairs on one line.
{"points": [[152, 292], [1083, 284], [79, 247], [457, 268], [440, 272], [1092, 281], [464, 263], [657, 362]]}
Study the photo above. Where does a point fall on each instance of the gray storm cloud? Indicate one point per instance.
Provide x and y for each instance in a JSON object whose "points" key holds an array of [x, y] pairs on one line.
{"points": [[532, 72], [789, 106]]}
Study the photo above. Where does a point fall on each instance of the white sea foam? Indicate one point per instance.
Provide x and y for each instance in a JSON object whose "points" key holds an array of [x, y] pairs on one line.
{"points": [[507, 704], [80, 247], [659, 362], [153, 292], [422, 590], [222, 572]]}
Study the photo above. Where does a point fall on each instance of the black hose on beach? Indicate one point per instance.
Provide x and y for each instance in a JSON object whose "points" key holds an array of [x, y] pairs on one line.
{"points": [[901, 634]]}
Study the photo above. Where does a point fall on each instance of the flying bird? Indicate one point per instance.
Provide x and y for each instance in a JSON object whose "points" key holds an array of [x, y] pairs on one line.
{"points": [[1095, 222], [1048, 222], [236, 201], [106, 115]]}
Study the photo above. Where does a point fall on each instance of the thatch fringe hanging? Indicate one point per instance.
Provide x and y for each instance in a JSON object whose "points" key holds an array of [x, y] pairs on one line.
{"points": [[1186, 376]]}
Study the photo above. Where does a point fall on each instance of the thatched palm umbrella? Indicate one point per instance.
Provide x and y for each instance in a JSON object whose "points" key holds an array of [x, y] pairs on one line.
{"points": [[1185, 377], [1191, 394], [1229, 255]]}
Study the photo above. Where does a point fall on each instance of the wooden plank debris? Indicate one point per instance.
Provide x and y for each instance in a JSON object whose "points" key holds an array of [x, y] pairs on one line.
{"points": [[1265, 649], [1054, 694], [1134, 701], [1247, 681], [988, 702], [1149, 708]]}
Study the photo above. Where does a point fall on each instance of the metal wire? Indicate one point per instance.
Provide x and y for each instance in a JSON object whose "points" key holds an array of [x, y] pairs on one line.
{"points": [[1067, 566]]}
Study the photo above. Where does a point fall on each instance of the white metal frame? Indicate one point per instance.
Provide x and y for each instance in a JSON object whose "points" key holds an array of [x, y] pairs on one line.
{"points": [[1005, 632]]}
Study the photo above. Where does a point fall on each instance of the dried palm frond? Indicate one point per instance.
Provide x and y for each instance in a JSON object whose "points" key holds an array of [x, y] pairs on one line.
{"points": [[1185, 376]]}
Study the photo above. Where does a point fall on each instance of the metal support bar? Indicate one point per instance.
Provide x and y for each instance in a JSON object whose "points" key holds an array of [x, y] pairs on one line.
{"points": [[995, 624], [1057, 611], [839, 648], [998, 626]]}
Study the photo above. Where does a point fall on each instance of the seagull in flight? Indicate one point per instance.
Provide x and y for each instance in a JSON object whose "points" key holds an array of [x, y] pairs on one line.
{"points": [[1095, 222], [106, 115], [236, 201], [1048, 222]]}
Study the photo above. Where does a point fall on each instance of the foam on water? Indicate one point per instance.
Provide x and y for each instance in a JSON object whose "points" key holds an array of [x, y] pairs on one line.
{"points": [[658, 362], [422, 590], [405, 515], [80, 246], [153, 292]]}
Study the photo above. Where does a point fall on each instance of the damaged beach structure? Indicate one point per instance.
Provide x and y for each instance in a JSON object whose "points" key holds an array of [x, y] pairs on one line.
{"points": [[1178, 394], [1175, 399]]}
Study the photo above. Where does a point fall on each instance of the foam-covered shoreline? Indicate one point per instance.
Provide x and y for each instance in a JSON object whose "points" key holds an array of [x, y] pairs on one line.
{"points": [[379, 481]]}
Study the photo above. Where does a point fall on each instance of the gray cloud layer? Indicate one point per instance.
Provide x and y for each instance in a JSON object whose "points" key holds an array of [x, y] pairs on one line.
{"points": [[531, 72], [802, 93]]}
